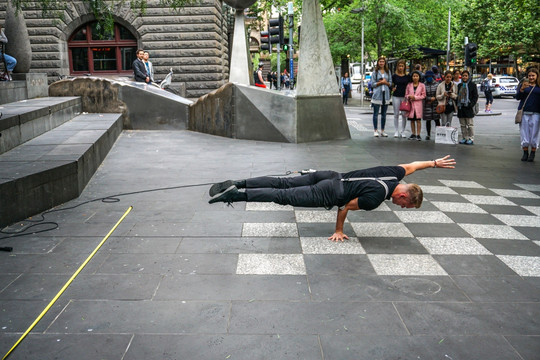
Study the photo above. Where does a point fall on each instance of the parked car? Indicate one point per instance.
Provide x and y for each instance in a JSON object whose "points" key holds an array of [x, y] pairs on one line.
{"points": [[502, 86]]}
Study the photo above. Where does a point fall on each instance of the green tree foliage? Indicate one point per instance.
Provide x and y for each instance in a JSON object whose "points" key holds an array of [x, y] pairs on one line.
{"points": [[502, 27]]}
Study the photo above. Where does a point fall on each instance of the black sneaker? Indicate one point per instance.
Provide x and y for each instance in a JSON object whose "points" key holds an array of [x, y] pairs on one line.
{"points": [[220, 187], [418, 138], [230, 195], [412, 137], [428, 137]]}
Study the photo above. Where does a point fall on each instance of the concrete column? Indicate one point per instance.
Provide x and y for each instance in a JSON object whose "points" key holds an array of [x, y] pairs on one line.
{"points": [[316, 74], [239, 65]]}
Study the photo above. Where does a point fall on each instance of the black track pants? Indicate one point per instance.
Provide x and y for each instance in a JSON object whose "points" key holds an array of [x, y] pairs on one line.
{"points": [[318, 189]]}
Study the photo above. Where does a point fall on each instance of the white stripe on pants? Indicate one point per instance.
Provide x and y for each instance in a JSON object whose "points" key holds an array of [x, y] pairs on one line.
{"points": [[529, 130], [396, 101]]}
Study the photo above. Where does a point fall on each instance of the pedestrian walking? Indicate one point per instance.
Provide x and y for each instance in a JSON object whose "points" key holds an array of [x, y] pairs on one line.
{"points": [[258, 78], [467, 99], [361, 189], [529, 101], [381, 81], [415, 93], [400, 79], [487, 88]]}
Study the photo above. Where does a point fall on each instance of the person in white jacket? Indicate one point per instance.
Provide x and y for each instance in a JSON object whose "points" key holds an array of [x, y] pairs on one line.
{"points": [[149, 66]]}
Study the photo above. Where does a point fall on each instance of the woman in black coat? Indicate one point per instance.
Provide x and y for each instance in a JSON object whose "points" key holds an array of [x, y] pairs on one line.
{"points": [[430, 103], [466, 101]]}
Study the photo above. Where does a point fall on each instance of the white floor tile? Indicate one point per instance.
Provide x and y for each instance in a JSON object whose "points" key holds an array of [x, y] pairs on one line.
{"points": [[381, 230], [492, 231], [321, 245], [519, 220], [432, 189], [271, 264], [316, 216], [267, 206], [533, 209], [458, 207], [453, 246], [523, 265], [530, 187], [462, 184], [405, 265], [515, 193], [488, 200], [270, 229], [423, 217]]}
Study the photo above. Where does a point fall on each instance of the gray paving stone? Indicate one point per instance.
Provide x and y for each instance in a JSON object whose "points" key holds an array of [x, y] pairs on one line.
{"points": [[235, 245], [284, 318], [149, 317], [338, 264], [528, 347], [114, 287], [355, 287], [498, 288], [142, 245], [437, 230], [473, 265], [18, 315], [34, 287], [169, 264], [369, 347], [233, 287], [270, 229], [473, 218], [392, 246], [511, 247], [224, 346], [318, 229], [68, 346], [449, 318]]}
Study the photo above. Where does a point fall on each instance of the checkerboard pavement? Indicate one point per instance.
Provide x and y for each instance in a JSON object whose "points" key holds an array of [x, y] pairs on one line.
{"points": [[459, 223]]}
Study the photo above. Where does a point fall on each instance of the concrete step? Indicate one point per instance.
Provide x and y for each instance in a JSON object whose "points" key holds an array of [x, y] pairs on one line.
{"points": [[24, 86], [23, 120], [54, 167]]}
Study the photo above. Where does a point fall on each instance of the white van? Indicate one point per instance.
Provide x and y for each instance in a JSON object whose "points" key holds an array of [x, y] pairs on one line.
{"points": [[355, 72]]}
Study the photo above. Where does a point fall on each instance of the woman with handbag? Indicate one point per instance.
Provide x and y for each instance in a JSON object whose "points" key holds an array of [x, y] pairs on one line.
{"points": [[415, 93], [400, 79], [466, 101], [446, 96], [381, 82], [430, 104], [529, 106]]}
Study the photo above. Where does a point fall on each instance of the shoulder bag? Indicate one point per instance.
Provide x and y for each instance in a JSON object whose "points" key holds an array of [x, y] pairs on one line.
{"points": [[519, 114]]}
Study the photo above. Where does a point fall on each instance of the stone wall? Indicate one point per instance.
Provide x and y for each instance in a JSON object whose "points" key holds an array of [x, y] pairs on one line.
{"points": [[193, 41]]}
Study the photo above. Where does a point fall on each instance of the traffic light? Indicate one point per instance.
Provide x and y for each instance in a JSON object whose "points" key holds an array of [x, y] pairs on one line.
{"points": [[471, 50], [276, 28], [285, 44], [265, 41]]}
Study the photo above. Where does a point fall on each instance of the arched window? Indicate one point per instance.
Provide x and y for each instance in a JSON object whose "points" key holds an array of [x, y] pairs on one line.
{"points": [[94, 51]]}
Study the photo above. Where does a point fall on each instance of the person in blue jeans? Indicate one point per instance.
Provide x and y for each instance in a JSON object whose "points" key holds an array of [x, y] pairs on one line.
{"points": [[345, 87], [10, 61], [381, 81]]}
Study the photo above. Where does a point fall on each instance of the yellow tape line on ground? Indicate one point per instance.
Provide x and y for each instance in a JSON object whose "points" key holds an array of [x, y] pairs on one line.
{"points": [[67, 284]]}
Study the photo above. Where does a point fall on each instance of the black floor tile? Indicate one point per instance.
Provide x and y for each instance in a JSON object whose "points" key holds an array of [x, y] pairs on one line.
{"points": [[473, 265], [357, 264], [468, 218], [235, 245], [511, 247], [498, 288], [437, 230], [527, 346], [326, 229]]}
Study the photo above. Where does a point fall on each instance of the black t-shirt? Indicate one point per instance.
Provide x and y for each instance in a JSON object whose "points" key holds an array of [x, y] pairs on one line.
{"points": [[371, 193], [401, 84]]}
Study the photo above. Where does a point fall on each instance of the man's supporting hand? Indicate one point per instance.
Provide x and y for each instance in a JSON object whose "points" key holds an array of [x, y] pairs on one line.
{"points": [[338, 236]]}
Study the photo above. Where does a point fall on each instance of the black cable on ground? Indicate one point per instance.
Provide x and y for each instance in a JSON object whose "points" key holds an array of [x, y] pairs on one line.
{"points": [[108, 199]]}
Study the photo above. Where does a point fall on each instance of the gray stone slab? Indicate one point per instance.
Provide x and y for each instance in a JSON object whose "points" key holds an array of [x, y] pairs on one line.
{"points": [[186, 229], [528, 347], [142, 245], [353, 287], [448, 318], [284, 318], [530, 233], [473, 265], [473, 218], [149, 317], [224, 346], [235, 245], [18, 315], [372, 216], [34, 287], [322, 229], [392, 246], [233, 287], [113, 287], [32, 244], [68, 346], [369, 347], [41, 264], [498, 288], [504, 209], [338, 264], [169, 264]]}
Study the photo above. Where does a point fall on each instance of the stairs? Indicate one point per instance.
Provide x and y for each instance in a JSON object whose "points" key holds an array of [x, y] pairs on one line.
{"points": [[48, 152]]}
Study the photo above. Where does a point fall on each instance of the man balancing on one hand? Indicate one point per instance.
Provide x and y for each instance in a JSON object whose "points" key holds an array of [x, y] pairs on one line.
{"points": [[360, 189]]}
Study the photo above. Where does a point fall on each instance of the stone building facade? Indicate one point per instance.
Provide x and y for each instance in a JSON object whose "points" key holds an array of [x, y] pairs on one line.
{"points": [[193, 41]]}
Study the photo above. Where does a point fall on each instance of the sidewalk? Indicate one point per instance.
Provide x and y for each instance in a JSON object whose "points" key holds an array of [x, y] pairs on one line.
{"points": [[458, 278]]}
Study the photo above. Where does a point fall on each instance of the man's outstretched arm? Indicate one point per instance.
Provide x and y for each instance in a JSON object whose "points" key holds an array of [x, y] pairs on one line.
{"points": [[341, 216], [444, 162]]}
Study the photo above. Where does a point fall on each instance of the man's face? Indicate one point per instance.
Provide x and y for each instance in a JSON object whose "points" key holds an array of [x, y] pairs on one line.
{"points": [[140, 54], [465, 77], [402, 200], [146, 56]]}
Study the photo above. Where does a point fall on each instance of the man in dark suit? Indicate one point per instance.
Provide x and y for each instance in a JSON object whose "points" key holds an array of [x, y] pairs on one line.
{"points": [[139, 69]]}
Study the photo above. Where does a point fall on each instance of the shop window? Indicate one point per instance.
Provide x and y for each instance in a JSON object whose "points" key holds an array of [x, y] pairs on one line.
{"points": [[92, 50]]}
